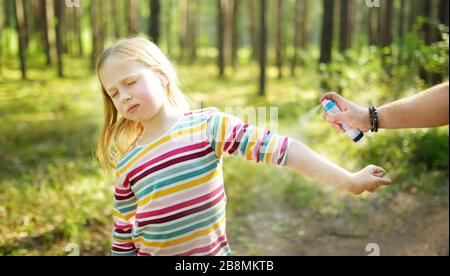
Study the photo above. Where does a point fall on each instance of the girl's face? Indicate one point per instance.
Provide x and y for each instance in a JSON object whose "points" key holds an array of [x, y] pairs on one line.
{"points": [[135, 90]]}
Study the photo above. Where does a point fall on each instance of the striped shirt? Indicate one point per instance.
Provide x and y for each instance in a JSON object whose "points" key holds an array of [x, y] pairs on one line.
{"points": [[169, 194]]}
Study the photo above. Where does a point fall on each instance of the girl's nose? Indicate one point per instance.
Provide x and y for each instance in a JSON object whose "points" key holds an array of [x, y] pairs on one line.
{"points": [[125, 96]]}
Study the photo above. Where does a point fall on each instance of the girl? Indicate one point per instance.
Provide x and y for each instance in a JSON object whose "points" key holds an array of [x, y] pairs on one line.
{"points": [[169, 192]]}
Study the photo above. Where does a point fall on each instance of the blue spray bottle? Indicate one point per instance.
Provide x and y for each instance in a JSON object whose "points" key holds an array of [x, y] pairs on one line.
{"points": [[331, 107]]}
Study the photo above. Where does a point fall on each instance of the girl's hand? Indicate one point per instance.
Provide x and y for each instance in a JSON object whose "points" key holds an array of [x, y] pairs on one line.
{"points": [[368, 179], [352, 114]]}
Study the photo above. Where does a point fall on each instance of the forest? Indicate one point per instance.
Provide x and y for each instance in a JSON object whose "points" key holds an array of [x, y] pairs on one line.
{"points": [[281, 54]]}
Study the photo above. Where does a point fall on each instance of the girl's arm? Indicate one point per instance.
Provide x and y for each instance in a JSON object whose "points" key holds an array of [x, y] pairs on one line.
{"points": [[228, 134], [308, 163]]}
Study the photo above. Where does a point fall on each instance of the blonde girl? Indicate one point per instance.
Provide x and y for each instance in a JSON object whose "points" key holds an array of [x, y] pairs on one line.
{"points": [[169, 192]]}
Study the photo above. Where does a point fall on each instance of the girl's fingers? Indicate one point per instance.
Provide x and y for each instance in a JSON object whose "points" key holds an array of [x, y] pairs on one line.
{"points": [[379, 174], [382, 180], [377, 170]]}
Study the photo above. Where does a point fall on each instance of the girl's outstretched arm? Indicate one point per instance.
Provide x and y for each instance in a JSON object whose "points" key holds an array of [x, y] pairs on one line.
{"points": [[229, 134], [305, 161]]}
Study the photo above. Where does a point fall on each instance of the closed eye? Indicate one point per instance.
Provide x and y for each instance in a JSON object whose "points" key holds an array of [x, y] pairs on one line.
{"points": [[131, 82]]}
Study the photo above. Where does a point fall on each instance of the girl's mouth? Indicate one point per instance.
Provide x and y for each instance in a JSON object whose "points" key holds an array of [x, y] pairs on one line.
{"points": [[133, 108]]}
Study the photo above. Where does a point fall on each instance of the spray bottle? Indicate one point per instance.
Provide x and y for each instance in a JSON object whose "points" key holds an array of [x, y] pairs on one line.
{"points": [[331, 107]]}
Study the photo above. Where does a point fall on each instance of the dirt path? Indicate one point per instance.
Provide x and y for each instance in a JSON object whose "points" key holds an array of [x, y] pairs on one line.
{"points": [[418, 229]]}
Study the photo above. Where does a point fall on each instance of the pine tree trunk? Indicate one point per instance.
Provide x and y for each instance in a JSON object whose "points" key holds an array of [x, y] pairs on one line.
{"points": [[26, 17], [371, 27], [297, 35], [303, 25], [184, 10], [133, 17], [345, 31], [278, 38], [220, 39], [443, 12], [20, 26], [168, 27], [263, 48], [412, 14], [252, 7], [388, 30], [78, 30], [58, 5], [193, 27], [401, 23], [327, 32], [2, 19], [379, 11], [95, 35], [116, 15], [236, 36], [155, 8]]}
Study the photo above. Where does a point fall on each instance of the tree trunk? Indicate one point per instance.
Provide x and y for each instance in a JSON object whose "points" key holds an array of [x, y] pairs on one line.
{"points": [[379, 40], [429, 34], [193, 27], [303, 25], [278, 38], [168, 27], [371, 27], [155, 8], [401, 23], [297, 34], [443, 12], [20, 26], [263, 50], [236, 36], [45, 30], [184, 10], [78, 31], [26, 17], [388, 30], [220, 39], [345, 31], [58, 30], [412, 14], [252, 8], [95, 34], [228, 7], [133, 17], [116, 11], [2, 19], [327, 32]]}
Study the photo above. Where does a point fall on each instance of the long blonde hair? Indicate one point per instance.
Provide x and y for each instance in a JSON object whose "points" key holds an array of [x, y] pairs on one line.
{"points": [[119, 135]]}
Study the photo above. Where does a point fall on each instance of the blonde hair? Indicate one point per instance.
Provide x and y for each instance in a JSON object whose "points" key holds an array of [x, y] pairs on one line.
{"points": [[119, 135]]}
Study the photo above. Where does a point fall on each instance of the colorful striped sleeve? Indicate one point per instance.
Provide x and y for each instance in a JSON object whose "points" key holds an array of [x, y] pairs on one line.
{"points": [[231, 135], [124, 216]]}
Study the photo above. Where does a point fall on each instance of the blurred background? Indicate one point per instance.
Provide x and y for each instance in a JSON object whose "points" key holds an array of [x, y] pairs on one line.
{"points": [[229, 53]]}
